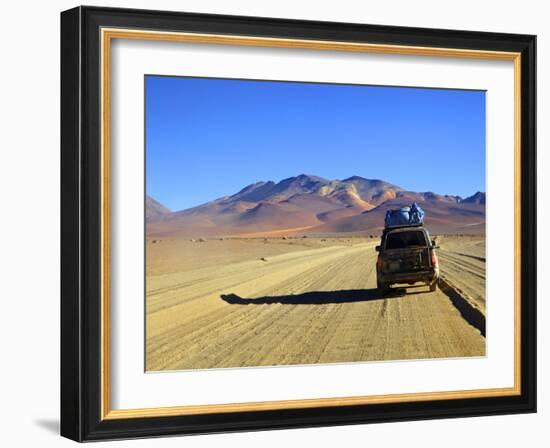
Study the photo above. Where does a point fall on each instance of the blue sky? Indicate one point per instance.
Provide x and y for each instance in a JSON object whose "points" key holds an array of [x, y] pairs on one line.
{"points": [[207, 138]]}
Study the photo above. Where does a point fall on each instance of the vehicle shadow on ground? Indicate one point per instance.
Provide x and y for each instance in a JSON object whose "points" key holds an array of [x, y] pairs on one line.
{"points": [[318, 297]]}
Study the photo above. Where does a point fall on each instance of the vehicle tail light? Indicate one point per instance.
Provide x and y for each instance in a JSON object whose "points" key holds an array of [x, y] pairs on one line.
{"points": [[379, 263], [434, 258]]}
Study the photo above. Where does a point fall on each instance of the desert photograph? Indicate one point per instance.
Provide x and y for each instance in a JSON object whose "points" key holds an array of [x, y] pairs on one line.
{"points": [[296, 223]]}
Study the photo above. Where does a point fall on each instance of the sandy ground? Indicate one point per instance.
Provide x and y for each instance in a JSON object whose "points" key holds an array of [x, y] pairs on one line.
{"points": [[462, 262], [256, 302]]}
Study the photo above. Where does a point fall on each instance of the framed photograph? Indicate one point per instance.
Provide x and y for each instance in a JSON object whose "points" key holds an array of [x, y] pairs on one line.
{"points": [[273, 223]]}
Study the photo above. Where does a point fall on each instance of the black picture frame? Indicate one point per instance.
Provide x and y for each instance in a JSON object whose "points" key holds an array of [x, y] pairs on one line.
{"points": [[81, 224]]}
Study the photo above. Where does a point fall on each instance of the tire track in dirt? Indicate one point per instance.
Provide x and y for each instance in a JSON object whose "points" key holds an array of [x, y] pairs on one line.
{"points": [[194, 334], [275, 319], [466, 276]]}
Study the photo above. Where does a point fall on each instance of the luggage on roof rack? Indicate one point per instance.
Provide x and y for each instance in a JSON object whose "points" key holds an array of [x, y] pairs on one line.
{"points": [[405, 217]]}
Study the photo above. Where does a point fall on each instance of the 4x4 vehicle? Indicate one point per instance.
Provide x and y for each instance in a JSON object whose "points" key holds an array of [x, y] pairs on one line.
{"points": [[406, 255]]}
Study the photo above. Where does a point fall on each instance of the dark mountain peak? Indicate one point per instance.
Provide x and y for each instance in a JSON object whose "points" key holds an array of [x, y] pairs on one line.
{"points": [[364, 179], [302, 183], [303, 179], [252, 187], [154, 209], [477, 198], [254, 192], [428, 196]]}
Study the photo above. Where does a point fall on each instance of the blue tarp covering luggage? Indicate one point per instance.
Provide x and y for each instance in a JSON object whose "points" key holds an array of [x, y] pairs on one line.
{"points": [[405, 216]]}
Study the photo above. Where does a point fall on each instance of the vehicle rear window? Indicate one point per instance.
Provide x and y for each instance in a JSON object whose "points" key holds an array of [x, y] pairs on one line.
{"points": [[401, 240]]}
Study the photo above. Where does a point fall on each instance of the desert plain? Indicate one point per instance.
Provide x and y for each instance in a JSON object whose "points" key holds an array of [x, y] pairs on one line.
{"points": [[290, 300]]}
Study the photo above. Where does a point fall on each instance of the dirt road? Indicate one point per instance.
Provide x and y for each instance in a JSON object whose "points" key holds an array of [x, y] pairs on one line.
{"points": [[316, 305]]}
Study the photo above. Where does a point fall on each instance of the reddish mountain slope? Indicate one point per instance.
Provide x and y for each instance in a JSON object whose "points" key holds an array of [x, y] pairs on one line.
{"points": [[154, 209], [313, 205]]}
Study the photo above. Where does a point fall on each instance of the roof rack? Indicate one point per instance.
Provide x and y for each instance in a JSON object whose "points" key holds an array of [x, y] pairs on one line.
{"points": [[404, 217]]}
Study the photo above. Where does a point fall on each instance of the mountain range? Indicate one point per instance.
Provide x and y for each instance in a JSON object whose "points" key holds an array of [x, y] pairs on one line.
{"points": [[308, 204]]}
